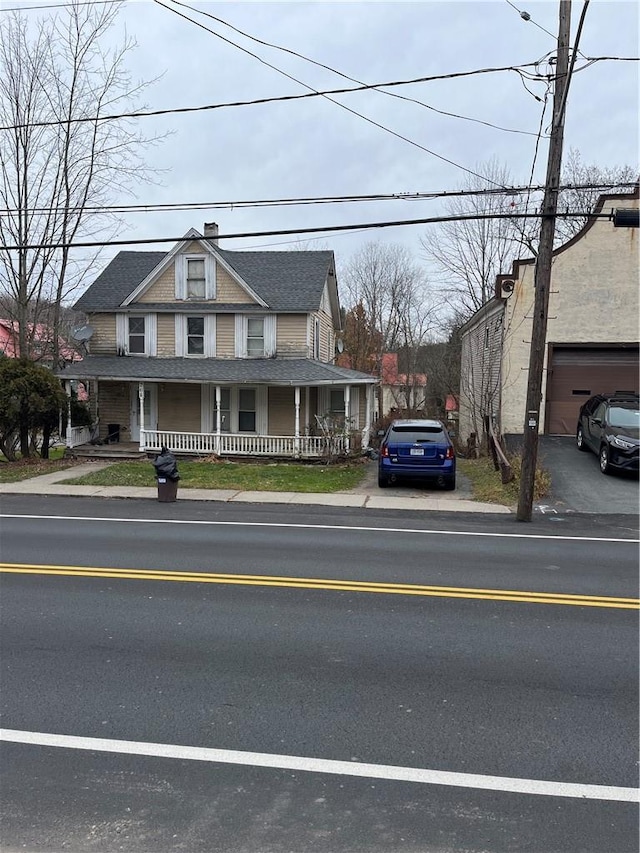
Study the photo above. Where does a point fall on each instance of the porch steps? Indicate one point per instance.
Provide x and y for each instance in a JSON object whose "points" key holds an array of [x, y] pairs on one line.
{"points": [[126, 450]]}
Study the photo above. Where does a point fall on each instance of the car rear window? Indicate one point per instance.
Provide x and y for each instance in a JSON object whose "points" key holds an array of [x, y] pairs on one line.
{"points": [[415, 435]]}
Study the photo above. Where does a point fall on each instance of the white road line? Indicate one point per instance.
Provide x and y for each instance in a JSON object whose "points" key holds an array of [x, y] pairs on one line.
{"points": [[319, 765], [403, 530]]}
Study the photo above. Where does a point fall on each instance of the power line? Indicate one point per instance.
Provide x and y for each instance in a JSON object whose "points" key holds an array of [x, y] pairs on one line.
{"points": [[282, 98], [337, 103], [361, 226], [347, 77], [170, 207]]}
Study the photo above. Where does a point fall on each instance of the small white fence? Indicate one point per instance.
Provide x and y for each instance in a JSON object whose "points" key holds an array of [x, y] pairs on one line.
{"points": [[78, 435], [228, 444]]}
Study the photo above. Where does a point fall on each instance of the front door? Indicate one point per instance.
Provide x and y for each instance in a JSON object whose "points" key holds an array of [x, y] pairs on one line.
{"points": [[150, 410]]}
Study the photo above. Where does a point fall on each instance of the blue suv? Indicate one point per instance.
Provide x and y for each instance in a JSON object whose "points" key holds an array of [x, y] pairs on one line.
{"points": [[417, 449]]}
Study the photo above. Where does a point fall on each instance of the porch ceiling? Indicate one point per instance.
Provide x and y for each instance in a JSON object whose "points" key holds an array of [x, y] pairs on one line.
{"points": [[225, 371]]}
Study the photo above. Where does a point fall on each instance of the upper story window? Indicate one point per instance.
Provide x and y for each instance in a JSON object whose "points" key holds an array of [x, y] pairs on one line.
{"points": [[136, 334], [195, 277], [195, 335], [255, 336]]}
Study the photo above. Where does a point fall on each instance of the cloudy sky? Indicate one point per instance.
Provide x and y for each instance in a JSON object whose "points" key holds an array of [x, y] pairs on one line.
{"points": [[314, 147]]}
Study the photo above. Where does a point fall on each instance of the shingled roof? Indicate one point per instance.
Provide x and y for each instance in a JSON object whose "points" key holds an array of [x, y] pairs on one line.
{"points": [[286, 281]]}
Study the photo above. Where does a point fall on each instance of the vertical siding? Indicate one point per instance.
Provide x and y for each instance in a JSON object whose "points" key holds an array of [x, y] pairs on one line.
{"points": [[291, 335], [480, 373], [115, 408], [179, 407], [225, 335], [103, 341]]}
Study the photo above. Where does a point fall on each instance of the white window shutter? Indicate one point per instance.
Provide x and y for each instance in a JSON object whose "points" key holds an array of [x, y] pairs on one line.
{"points": [[151, 334], [180, 277], [181, 337], [241, 336], [324, 401], [354, 406], [210, 277], [270, 335], [122, 334], [262, 410], [210, 335]]}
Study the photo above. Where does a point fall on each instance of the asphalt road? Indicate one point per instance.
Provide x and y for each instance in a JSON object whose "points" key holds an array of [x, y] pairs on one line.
{"points": [[483, 686]]}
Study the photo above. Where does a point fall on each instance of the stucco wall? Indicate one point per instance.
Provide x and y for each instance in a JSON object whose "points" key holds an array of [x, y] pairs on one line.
{"points": [[593, 299]]}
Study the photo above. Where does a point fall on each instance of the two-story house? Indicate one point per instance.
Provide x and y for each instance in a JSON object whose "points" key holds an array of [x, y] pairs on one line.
{"points": [[206, 350]]}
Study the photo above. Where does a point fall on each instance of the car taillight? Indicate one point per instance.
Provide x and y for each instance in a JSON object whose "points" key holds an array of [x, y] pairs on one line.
{"points": [[384, 450], [449, 454]]}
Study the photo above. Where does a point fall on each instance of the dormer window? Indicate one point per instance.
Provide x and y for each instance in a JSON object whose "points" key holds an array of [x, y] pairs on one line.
{"points": [[195, 277]]}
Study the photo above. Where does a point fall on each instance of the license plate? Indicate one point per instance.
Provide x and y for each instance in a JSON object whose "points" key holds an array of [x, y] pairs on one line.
{"points": [[416, 451]]}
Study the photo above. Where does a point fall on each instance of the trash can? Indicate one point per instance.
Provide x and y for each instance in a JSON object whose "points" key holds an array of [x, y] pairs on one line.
{"points": [[166, 475], [167, 490], [113, 433]]}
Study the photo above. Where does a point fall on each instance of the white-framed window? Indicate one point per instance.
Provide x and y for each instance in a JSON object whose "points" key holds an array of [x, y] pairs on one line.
{"points": [[255, 335], [336, 404], [136, 334], [136, 342], [246, 410], [195, 335], [316, 338], [195, 277]]}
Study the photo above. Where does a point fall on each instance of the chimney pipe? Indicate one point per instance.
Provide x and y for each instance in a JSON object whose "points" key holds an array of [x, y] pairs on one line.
{"points": [[211, 232]]}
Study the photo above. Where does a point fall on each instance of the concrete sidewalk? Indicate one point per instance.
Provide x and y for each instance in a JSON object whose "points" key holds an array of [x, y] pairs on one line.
{"points": [[366, 496]]}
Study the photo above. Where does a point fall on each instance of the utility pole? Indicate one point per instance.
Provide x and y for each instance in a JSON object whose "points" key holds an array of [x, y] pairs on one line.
{"points": [[542, 278]]}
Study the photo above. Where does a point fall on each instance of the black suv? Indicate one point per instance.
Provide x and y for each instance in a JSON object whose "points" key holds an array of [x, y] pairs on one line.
{"points": [[609, 424]]}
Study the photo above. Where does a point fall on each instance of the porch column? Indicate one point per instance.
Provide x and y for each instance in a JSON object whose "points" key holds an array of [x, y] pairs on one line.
{"points": [[347, 417], [296, 442], [307, 403], [68, 439], [366, 432], [218, 417], [141, 414]]}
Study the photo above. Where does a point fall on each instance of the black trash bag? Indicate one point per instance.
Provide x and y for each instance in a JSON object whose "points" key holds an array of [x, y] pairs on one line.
{"points": [[166, 465]]}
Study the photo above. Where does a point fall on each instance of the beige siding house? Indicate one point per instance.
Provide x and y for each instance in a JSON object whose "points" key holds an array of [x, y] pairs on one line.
{"points": [[592, 331], [206, 350]]}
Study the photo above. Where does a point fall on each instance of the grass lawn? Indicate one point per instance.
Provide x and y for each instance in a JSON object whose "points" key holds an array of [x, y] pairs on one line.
{"points": [[242, 476], [24, 469], [487, 484]]}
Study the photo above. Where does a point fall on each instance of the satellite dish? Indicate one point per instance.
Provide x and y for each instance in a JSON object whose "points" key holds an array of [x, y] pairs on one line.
{"points": [[340, 345], [84, 333]]}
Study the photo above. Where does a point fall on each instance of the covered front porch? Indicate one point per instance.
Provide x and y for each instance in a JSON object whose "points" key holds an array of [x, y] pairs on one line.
{"points": [[285, 421]]}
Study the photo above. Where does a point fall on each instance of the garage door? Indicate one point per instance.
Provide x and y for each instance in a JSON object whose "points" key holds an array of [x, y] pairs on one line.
{"points": [[578, 373]]}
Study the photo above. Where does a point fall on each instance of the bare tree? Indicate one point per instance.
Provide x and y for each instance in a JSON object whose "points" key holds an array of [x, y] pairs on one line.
{"points": [[60, 163], [469, 254]]}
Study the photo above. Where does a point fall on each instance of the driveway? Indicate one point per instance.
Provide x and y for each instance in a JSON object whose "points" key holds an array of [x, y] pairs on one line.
{"points": [[409, 489], [578, 485]]}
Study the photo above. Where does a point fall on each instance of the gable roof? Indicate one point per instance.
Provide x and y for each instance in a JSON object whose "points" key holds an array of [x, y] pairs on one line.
{"points": [[285, 281]]}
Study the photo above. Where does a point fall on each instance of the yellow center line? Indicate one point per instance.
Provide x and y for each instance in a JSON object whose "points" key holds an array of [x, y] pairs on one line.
{"points": [[328, 584]]}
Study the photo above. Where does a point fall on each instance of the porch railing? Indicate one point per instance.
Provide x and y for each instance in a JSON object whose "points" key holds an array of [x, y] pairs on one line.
{"points": [[229, 444], [78, 435]]}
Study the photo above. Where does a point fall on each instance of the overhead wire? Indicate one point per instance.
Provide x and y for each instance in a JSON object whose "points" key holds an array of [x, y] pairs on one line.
{"points": [[243, 204], [347, 76], [328, 229], [333, 101]]}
